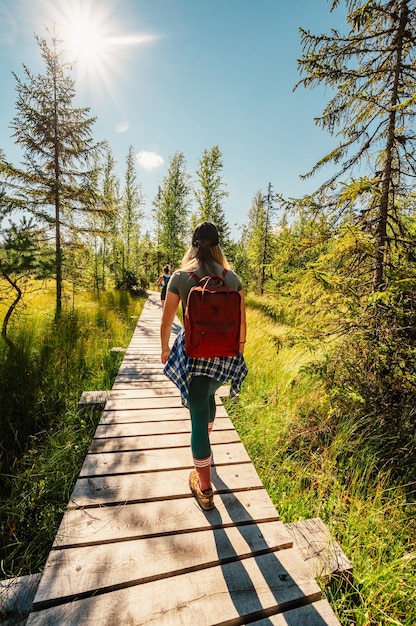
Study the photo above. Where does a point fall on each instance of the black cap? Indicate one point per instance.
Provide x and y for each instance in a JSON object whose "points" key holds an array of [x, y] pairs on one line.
{"points": [[206, 234]]}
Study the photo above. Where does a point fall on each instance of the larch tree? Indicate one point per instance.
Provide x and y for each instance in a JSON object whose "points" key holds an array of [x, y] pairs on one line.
{"points": [[110, 197], [131, 215], [211, 193], [254, 239], [157, 214], [372, 72], [171, 210], [58, 150], [259, 236], [102, 225]]}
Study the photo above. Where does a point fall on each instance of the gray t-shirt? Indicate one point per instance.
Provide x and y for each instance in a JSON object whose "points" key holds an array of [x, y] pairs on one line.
{"points": [[182, 282]]}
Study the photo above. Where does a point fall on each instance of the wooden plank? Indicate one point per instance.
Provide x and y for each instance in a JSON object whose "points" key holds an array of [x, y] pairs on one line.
{"points": [[76, 571], [168, 441], [143, 403], [130, 358], [153, 460], [146, 369], [132, 373], [319, 613], [171, 401], [147, 344], [142, 384], [147, 414], [318, 547], [93, 397], [100, 490], [16, 598], [152, 348], [132, 521], [154, 428], [167, 391], [148, 359], [246, 588]]}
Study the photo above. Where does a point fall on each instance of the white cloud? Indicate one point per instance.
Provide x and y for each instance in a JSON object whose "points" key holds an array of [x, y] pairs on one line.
{"points": [[149, 160], [121, 127]]}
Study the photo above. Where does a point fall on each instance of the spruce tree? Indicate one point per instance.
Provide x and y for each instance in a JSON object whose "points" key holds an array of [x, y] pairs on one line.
{"points": [[372, 73], [131, 214], [111, 203], [211, 193], [102, 224], [58, 149], [171, 210], [259, 237]]}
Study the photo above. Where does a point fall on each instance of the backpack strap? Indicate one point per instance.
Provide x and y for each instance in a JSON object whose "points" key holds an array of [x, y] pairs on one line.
{"points": [[198, 280], [194, 276]]}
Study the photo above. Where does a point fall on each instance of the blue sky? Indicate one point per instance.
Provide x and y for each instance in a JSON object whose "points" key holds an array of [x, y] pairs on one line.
{"points": [[183, 75]]}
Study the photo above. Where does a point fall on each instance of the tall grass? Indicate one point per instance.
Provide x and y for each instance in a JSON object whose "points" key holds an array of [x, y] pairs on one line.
{"points": [[314, 463], [43, 435]]}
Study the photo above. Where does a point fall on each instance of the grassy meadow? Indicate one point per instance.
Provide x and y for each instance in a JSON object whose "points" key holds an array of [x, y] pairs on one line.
{"points": [[44, 436], [312, 462], [313, 465]]}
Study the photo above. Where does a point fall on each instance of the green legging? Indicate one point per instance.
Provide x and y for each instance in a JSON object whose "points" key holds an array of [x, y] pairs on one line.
{"points": [[201, 402]]}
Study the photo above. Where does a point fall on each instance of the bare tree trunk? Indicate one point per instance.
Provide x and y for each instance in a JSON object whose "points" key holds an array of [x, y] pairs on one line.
{"points": [[10, 309], [58, 251], [387, 183]]}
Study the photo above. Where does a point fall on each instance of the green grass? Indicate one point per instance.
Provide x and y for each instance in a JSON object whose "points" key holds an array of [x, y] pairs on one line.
{"points": [[44, 436], [313, 460], [40, 486], [316, 463]]}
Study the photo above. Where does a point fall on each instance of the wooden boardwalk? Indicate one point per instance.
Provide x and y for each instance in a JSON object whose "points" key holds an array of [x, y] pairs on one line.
{"points": [[135, 548]]}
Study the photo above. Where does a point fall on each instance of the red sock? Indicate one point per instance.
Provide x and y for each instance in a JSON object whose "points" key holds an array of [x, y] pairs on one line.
{"points": [[203, 467]]}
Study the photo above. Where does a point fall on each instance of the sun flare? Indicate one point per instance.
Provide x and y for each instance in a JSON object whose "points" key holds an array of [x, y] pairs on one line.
{"points": [[85, 42], [96, 43], [85, 31]]}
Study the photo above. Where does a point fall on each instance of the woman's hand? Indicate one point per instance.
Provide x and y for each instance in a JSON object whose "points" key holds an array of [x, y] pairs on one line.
{"points": [[168, 315]]}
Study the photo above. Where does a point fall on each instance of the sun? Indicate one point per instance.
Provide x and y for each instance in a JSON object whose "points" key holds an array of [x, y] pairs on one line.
{"points": [[86, 42], [95, 43], [86, 29]]}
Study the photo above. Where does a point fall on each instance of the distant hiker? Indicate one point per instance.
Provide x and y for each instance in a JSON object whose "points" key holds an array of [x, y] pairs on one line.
{"points": [[199, 378], [163, 280]]}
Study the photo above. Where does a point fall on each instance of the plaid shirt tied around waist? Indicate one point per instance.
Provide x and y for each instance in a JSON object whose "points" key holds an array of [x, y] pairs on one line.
{"points": [[180, 368]]}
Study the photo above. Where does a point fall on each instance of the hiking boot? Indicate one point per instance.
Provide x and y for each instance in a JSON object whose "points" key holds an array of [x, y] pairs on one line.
{"points": [[205, 498]]}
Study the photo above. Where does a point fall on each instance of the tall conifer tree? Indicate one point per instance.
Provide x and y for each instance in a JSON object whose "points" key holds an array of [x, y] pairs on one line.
{"points": [[171, 210], [111, 204], [58, 149], [259, 237], [211, 193], [131, 214], [372, 72]]}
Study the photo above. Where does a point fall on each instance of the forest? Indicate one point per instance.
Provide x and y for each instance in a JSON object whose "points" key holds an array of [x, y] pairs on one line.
{"points": [[329, 405]]}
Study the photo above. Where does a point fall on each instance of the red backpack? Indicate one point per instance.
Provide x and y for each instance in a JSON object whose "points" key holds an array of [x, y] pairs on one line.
{"points": [[212, 318]]}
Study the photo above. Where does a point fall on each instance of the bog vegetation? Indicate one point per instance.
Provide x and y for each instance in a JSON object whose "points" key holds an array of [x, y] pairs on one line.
{"points": [[327, 412]]}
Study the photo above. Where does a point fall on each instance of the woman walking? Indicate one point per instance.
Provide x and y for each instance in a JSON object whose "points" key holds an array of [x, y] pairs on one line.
{"points": [[164, 280], [199, 378]]}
